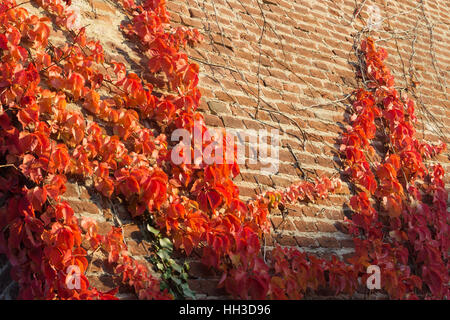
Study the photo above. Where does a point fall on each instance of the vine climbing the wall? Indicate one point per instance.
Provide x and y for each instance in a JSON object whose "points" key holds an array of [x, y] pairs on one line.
{"points": [[400, 221]]}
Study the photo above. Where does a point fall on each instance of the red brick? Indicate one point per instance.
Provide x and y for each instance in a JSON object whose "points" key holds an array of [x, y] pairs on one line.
{"points": [[325, 227], [306, 242], [71, 190], [264, 180], [328, 242], [334, 214], [103, 227], [103, 6], [83, 206], [132, 231], [195, 13], [199, 270], [281, 182], [137, 248], [305, 226], [231, 122], [218, 107], [286, 240], [213, 121], [104, 282], [280, 223], [84, 194], [247, 192], [347, 243]]}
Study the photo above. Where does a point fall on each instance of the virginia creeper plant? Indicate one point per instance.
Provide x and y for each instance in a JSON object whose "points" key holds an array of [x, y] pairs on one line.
{"points": [[400, 220]]}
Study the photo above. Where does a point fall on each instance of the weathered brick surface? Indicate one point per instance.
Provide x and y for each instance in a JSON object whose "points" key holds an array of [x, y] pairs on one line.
{"points": [[285, 65], [292, 60]]}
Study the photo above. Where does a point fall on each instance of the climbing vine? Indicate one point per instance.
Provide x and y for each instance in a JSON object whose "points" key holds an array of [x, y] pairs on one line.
{"points": [[400, 221]]}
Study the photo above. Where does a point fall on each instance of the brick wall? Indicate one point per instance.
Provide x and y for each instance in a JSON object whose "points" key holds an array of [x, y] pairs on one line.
{"points": [[286, 65], [293, 61]]}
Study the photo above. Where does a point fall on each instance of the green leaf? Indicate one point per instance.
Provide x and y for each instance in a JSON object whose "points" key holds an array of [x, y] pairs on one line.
{"points": [[152, 259], [163, 254], [153, 230], [167, 274], [177, 268], [166, 243], [187, 291]]}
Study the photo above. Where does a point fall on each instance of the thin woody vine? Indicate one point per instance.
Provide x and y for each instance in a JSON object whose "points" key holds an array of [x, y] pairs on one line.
{"points": [[399, 222]]}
